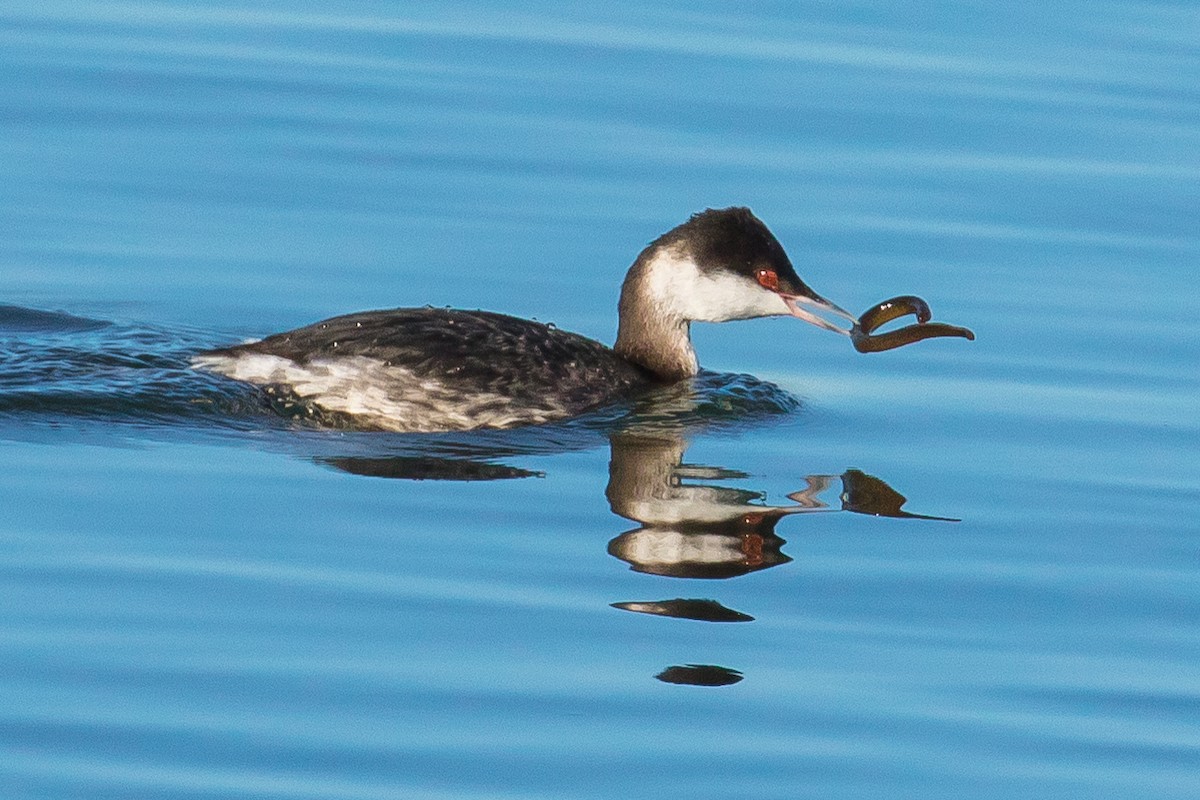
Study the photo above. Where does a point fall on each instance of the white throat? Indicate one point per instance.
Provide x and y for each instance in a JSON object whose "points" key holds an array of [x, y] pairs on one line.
{"points": [[673, 282]]}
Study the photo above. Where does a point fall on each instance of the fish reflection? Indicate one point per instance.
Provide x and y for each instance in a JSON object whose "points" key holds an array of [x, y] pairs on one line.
{"points": [[866, 494]]}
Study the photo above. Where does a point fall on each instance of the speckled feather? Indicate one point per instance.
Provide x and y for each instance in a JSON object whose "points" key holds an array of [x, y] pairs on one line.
{"points": [[467, 352]]}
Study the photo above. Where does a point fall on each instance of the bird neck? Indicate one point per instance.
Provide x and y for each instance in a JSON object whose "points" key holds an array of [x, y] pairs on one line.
{"points": [[651, 331]]}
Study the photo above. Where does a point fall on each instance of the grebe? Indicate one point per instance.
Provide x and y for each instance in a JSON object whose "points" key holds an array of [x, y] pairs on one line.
{"points": [[429, 369]]}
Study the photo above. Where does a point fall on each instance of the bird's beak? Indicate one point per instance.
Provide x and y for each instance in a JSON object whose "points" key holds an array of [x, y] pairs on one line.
{"points": [[803, 306]]}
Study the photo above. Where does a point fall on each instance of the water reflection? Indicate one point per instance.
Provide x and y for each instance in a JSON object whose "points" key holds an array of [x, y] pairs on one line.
{"points": [[866, 494], [702, 530], [420, 468], [689, 524], [700, 675], [690, 527], [703, 610]]}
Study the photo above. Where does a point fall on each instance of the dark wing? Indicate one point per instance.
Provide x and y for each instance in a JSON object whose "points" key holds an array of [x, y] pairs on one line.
{"points": [[475, 350]]}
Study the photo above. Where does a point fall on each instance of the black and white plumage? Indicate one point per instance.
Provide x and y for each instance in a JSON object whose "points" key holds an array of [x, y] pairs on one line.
{"points": [[427, 369]]}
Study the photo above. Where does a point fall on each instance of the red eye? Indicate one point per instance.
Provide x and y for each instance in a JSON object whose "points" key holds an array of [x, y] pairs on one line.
{"points": [[767, 279]]}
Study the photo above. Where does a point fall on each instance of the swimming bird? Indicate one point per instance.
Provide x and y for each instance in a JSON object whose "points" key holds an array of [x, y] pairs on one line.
{"points": [[432, 369]]}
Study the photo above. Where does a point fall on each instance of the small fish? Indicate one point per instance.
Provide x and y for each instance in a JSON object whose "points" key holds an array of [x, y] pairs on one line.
{"points": [[867, 341]]}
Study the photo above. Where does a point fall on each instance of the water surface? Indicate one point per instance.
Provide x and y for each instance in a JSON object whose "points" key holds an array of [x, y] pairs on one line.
{"points": [[205, 598]]}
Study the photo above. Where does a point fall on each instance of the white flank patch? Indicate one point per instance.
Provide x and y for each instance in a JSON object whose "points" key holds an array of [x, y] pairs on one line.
{"points": [[382, 396], [250, 367], [682, 290]]}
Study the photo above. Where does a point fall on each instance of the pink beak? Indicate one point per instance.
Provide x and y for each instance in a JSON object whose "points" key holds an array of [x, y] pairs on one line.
{"points": [[799, 306]]}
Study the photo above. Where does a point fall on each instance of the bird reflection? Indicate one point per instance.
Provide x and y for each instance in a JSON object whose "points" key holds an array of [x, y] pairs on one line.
{"points": [[703, 610], [426, 468], [689, 529], [690, 522], [692, 527], [700, 675]]}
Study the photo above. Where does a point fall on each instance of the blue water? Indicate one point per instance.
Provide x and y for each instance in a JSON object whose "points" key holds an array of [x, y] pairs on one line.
{"points": [[204, 597]]}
